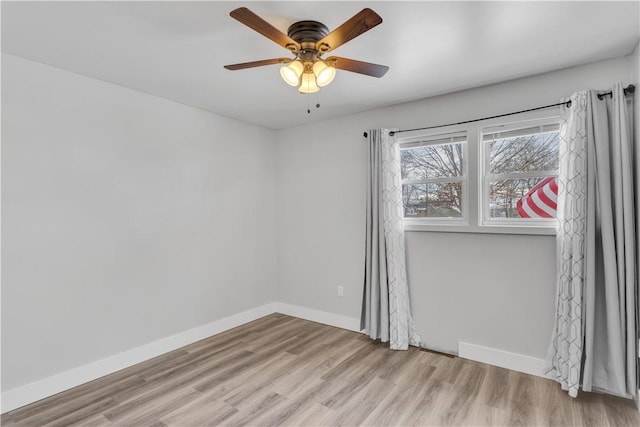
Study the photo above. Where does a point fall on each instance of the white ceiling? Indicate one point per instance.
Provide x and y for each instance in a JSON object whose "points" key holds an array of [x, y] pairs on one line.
{"points": [[177, 50]]}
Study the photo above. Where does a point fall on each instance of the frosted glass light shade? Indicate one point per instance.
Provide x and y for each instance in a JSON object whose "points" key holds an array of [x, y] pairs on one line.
{"points": [[308, 83], [324, 73], [291, 73]]}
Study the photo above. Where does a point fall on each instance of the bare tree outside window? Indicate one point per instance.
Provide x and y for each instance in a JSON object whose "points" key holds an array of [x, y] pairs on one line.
{"points": [[433, 180], [516, 165], [514, 184]]}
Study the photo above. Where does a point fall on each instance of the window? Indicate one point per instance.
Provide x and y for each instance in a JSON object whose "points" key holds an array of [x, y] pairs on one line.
{"points": [[434, 178], [520, 168], [492, 176]]}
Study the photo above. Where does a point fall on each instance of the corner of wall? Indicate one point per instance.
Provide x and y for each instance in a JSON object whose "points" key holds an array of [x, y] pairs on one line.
{"points": [[45, 387]]}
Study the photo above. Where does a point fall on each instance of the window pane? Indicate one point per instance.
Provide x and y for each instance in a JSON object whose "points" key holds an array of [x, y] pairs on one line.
{"points": [[433, 161], [529, 153], [523, 198], [432, 200]]}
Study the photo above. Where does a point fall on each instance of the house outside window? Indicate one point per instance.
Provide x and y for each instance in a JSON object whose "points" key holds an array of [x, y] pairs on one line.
{"points": [[494, 176], [520, 167], [434, 178]]}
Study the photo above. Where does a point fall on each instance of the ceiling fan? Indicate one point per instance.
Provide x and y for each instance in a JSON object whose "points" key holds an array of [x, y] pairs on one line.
{"points": [[308, 41]]}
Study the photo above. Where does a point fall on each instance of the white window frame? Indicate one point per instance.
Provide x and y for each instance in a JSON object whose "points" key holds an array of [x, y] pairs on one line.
{"points": [[484, 217], [433, 139], [473, 220]]}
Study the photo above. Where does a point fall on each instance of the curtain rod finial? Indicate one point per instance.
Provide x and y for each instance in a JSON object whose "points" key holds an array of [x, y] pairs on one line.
{"points": [[365, 135]]}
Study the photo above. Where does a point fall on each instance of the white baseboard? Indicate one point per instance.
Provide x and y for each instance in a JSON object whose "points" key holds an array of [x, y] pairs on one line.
{"points": [[37, 390], [504, 359], [49, 386], [331, 319]]}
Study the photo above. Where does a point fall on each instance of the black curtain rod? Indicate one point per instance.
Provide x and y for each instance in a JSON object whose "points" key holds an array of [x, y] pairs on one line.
{"points": [[627, 90]]}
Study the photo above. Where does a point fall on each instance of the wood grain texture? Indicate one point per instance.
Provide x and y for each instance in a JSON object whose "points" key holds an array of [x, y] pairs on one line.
{"points": [[280, 370]]}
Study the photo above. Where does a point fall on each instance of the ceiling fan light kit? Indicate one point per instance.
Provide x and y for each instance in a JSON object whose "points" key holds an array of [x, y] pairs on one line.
{"points": [[308, 83], [308, 41], [324, 73], [309, 77], [291, 73]]}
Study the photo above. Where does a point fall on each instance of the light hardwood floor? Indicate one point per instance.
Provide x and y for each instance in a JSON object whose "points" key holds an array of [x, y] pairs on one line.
{"points": [[280, 370]]}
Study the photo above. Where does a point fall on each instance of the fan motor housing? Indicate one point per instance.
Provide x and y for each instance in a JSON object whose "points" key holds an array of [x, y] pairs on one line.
{"points": [[307, 31]]}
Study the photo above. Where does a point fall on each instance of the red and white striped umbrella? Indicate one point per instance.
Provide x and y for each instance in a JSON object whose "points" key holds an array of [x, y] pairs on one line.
{"points": [[540, 201]]}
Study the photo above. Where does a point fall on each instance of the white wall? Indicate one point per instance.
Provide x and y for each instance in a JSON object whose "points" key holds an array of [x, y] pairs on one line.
{"points": [[126, 218], [491, 290]]}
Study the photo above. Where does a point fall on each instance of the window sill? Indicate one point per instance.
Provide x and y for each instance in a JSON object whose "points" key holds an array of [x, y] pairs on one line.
{"points": [[485, 229]]}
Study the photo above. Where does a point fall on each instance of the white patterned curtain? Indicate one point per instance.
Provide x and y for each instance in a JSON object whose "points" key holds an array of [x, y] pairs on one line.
{"points": [[386, 313], [594, 338]]}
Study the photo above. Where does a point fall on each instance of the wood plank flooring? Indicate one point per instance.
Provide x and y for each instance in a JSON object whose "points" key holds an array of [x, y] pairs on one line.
{"points": [[281, 370]]}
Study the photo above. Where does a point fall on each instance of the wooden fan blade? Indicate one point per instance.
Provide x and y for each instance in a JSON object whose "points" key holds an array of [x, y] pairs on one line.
{"points": [[257, 63], [258, 24], [360, 23], [367, 68]]}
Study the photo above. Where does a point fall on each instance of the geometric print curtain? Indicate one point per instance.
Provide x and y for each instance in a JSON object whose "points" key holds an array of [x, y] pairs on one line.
{"points": [[386, 313], [564, 358], [594, 340]]}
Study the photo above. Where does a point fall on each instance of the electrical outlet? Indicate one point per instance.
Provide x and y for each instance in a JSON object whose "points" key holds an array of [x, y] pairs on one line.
{"points": [[340, 291]]}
